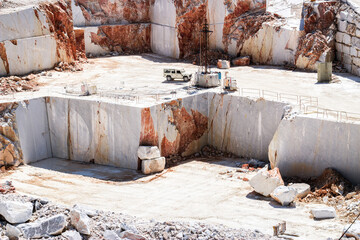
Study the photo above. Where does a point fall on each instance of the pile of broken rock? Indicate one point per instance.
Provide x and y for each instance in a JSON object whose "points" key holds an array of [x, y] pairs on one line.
{"points": [[270, 183], [151, 160], [53, 221]]}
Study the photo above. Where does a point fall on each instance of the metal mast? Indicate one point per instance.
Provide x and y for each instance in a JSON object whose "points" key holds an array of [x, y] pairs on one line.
{"points": [[206, 33]]}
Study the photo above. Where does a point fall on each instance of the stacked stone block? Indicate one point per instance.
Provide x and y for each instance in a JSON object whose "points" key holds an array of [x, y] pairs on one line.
{"points": [[348, 37]]}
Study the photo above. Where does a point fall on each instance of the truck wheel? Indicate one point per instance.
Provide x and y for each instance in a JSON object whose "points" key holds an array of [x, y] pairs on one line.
{"points": [[186, 79], [168, 78]]}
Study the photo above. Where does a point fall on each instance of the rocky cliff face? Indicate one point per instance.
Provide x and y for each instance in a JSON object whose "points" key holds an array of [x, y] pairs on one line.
{"points": [[130, 38], [114, 11], [10, 151], [59, 14], [320, 29]]}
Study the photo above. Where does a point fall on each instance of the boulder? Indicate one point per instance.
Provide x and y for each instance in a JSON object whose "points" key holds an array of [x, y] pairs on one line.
{"points": [[302, 189], [80, 221], [16, 212], [131, 236], [110, 235], [284, 195], [44, 227], [89, 211], [354, 230], [223, 64], [148, 152], [241, 61], [153, 165], [12, 232], [265, 182], [323, 212], [72, 235]]}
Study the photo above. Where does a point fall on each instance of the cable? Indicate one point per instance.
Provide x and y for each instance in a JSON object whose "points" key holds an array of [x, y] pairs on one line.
{"points": [[349, 227]]}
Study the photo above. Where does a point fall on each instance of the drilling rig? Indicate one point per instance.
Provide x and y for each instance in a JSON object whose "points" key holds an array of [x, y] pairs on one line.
{"points": [[204, 77]]}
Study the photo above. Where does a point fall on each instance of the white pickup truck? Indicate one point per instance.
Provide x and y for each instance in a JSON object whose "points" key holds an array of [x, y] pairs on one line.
{"points": [[176, 73]]}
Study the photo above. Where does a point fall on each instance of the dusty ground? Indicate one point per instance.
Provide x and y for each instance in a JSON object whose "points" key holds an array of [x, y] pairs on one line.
{"points": [[195, 190], [142, 76]]}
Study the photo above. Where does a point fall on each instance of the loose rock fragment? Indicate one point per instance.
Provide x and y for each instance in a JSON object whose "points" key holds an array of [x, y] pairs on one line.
{"points": [[72, 235], [16, 212], [323, 212], [265, 182], [12, 232], [44, 227], [148, 152], [153, 165], [241, 61], [80, 221], [284, 195], [302, 189], [131, 236]]}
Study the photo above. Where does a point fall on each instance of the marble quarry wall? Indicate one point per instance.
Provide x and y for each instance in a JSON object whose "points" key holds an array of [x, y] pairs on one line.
{"points": [[348, 37], [243, 126], [306, 146], [121, 26], [272, 32], [36, 38], [110, 134]]}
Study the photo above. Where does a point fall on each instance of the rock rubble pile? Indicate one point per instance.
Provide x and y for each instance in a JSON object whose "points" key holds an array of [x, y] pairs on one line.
{"points": [[44, 219]]}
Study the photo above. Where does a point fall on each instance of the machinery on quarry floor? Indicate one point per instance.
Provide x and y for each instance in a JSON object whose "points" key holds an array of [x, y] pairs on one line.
{"points": [[229, 83], [205, 78]]}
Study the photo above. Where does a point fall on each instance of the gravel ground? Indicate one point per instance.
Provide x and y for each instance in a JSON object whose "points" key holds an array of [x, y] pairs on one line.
{"points": [[103, 221]]}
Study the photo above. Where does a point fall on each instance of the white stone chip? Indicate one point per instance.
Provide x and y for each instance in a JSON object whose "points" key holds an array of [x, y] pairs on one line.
{"points": [[302, 189], [265, 183], [323, 212], [16, 212], [148, 152], [284, 195], [71, 235], [153, 165], [80, 221]]}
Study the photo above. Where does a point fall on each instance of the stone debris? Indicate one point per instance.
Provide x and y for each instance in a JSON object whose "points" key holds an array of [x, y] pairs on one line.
{"points": [[354, 230], [89, 211], [266, 181], [223, 64], [148, 152], [323, 213], [72, 235], [16, 212], [302, 189], [152, 162], [44, 227], [80, 221], [12, 232], [7, 187], [111, 235], [153, 165], [51, 220], [13, 84], [241, 61], [131, 236], [284, 195]]}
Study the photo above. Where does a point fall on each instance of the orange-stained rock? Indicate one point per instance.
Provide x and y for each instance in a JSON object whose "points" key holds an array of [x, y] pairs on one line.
{"points": [[241, 29], [190, 127], [241, 61], [190, 18], [61, 24], [10, 150], [148, 135], [132, 38], [80, 41], [115, 11], [4, 58]]}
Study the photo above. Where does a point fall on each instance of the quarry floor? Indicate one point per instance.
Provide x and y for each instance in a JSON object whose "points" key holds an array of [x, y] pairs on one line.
{"points": [[143, 76], [195, 190]]}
